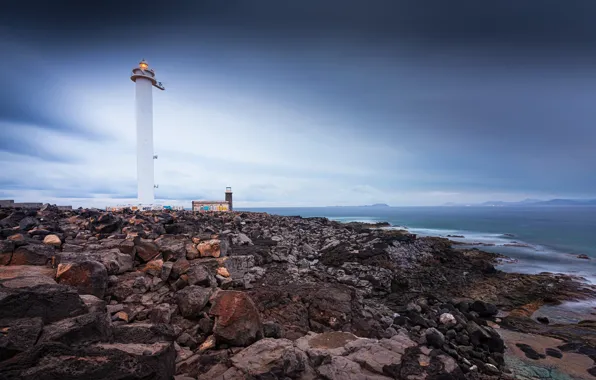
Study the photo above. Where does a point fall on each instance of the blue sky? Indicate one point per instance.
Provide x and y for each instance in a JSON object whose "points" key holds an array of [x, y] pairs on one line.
{"points": [[303, 103]]}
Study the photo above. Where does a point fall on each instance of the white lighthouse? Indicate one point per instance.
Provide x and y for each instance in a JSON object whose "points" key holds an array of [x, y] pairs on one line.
{"points": [[144, 78]]}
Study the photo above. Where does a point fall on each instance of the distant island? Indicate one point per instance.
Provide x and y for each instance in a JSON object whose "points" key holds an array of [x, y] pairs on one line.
{"points": [[530, 202]]}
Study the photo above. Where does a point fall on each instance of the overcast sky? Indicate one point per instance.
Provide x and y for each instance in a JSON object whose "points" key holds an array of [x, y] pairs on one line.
{"points": [[294, 103]]}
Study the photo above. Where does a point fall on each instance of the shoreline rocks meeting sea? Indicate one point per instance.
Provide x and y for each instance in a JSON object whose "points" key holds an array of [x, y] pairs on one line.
{"points": [[89, 294]]}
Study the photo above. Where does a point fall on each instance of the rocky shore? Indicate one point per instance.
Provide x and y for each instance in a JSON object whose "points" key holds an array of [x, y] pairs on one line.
{"points": [[87, 294]]}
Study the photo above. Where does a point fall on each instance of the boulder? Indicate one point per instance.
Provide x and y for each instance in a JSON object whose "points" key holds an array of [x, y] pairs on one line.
{"points": [[28, 223], [18, 335], [33, 254], [52, 240], [49, 302], [484, 309], [99, 361], [191, 300], [171, 247], [88, 277], [237, 320], [434, 337], [271, 358], [484, 335], [146, 249], [82, 329], [180, 267]]}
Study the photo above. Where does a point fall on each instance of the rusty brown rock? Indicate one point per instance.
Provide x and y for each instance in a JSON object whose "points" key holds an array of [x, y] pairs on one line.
{"points": [[147, 250], [88, 277], [237, 321], [222, 271], [153, 267], [209, 248]]}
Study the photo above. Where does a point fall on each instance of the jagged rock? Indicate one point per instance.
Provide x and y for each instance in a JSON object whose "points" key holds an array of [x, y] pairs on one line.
{"points": [[32, 254], [172, 247], [341, 368], [99, 361], [82, 329], [199, 275], [19, 335], [213, 248], [275, 358], [485, 335], [88, 277], [237, 320], [146, 249], [192, 299], [145, 333], [161, 313], [180, 267], [49, 302], [191, 251]]}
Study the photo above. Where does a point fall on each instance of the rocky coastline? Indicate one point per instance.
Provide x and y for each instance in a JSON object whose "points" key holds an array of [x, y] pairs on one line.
{"points": [[179, 295]]}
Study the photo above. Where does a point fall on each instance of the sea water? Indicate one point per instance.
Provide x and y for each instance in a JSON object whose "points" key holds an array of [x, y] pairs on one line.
{"points": [[540, 239]]}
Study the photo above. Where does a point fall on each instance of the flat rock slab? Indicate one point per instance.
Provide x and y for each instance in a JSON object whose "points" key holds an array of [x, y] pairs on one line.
{"points": [[23, 276], [570, 363], [49, 302], [145, 333], [18, 336], [50, 361]]}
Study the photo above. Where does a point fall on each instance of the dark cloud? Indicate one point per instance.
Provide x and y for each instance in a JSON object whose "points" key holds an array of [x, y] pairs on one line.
{"points": [[506, 22]]}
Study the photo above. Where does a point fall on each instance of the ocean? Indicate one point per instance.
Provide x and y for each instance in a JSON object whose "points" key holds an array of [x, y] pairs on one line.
{"points": [[540, 239]]}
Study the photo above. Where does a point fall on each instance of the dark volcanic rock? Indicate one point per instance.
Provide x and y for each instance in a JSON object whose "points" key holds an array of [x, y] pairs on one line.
{"points": [[554, 353], [88, 277], [435, 338], [86, 328], [192, 299], [49, 302], [530, 352], [50, 361], [19, 335], [484, 309], [544, 320], [146, 249], [145, 333], [33, 254]]}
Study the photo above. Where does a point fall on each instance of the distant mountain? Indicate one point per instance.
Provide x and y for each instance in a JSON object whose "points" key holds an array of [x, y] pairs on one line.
{"points": [[532, 202], [376, 205]]}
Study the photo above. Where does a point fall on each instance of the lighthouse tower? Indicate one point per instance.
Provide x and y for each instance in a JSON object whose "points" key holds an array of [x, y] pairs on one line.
{"points": [[144, 78]]}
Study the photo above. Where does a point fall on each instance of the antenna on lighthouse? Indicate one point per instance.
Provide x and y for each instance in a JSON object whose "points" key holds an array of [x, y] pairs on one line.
{"points": [[144, 78]]}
